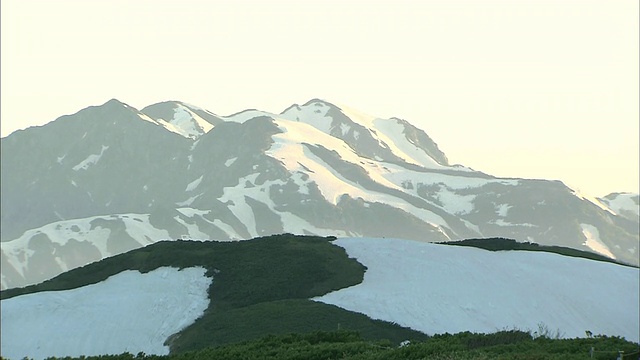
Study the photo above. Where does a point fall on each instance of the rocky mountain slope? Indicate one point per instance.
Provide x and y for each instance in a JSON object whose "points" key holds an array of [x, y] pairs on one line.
{"points": [[111, 178]]}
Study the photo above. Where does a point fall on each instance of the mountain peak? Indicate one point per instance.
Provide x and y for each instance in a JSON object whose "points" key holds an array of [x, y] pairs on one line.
{"points": [[320, 101], [187, 120], [115, 102]]}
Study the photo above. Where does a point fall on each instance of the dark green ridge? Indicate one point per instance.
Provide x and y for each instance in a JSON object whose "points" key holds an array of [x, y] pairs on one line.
{"points": [[503, 244]]}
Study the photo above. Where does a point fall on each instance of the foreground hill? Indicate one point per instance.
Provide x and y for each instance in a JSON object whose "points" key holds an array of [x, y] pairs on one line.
{"points": [[283, 284], [112, 178]]}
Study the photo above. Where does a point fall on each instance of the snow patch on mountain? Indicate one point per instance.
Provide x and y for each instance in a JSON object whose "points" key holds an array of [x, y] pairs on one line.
{"points": [[19, 251], [90, 160], [578, 193], [60, 232], [441, 288], [190, 124], [191, 212], [623, 202], [247, 115], [194, 184], [502, 222], [178, 118], [314, 114], [503, 209], [128, 312], [228, 229], [146, 117], [297, 157], [593, 240], [394, 132], [234, 197], [194, 232], [454, 203], [398, 174], [189, 201]]}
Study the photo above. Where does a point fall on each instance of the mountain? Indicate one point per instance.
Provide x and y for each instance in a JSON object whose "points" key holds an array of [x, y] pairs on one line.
{"points": [[624, 204], [112, 178], [176, 296]]}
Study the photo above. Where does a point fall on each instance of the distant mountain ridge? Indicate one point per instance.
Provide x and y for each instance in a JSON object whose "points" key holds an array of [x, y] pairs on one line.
{"points": [[111, 178]]}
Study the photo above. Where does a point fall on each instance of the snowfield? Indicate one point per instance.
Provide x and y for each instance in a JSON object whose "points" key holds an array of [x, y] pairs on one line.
{"points": [[128, 312], [428, 287], [441, 288]]}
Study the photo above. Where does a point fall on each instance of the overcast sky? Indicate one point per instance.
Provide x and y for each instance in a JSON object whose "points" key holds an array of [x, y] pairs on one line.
{"points": [[534, 89]]}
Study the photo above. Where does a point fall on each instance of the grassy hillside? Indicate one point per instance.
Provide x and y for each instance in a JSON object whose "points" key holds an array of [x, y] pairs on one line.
{"points": [[259, 287], [350, 345]]}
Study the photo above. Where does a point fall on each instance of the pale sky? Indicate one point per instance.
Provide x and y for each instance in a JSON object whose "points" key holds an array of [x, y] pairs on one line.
{"points": [[532, 89]]}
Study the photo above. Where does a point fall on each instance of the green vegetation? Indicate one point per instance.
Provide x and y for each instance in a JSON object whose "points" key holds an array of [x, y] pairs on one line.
{"points": [[500, 244], [512, 344], [259, 287]]}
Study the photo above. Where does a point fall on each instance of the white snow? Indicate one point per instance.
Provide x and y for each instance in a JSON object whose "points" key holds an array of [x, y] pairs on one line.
{"points": [[454, 203], [194, 184], [578, 193], [391, 133], [190, 124], [398, 174], [145, 117], [228, 229], [624, 202], [193, 231], [441, 288], [229, 162], [593, 240], [395, 138], [184, 122], [314, 114], [388, 132], [297, 157], [128, 312], [235, 198], [246, 115], [137, 226], [191, 212], [344, 128], [90, 160], [189, 201], [503, 209], [501, 222], [303, 185]]}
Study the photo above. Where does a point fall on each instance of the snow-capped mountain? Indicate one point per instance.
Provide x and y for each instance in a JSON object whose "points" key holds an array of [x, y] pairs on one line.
{"points": [[112, 178]]}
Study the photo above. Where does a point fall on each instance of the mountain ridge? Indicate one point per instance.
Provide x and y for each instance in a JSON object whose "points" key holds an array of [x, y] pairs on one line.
{"points": [[256, 173]]}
